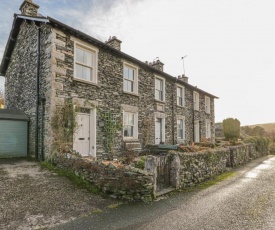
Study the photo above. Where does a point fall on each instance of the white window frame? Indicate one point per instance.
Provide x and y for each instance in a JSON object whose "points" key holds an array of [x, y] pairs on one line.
{"points": [[207, 105], [135, 81], [135, 126], [196, 96], [207, 128], [182, 136], [197, 131], [162, 134], [182, 104], [163, 89], [94, 52]]}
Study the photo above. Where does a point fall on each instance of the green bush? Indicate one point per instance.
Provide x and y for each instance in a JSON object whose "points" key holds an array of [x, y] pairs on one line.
{"points": [[272, 148], [231, 128], [261, 143]]}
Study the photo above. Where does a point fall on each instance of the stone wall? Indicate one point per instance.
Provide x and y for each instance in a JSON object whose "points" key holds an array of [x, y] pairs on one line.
{"points": [[20, 86], [201, 166], [242, 154], [118, 181], [186, 170]]}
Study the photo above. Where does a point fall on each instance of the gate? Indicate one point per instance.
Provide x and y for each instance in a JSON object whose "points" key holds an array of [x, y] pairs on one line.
{"points": [[163, 173]]}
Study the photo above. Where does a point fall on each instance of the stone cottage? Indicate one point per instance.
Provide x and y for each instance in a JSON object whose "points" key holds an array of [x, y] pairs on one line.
{"points": [[47, 62]]}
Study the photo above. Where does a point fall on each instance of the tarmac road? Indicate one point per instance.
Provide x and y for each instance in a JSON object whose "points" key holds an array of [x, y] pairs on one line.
{"points": [[245, 201]]}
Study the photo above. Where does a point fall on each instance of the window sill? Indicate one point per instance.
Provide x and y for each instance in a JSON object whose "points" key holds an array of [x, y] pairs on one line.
{"points": [[156, 100], [130, 139], [133, 94], [84, 81], [181, 106]]}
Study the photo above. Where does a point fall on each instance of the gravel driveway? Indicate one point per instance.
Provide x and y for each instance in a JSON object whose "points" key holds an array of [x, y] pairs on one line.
{"points": [[35, 198]]}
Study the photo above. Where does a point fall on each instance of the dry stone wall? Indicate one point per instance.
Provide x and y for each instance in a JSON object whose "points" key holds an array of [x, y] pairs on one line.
{"points": [[242, 154], [123, 182]]}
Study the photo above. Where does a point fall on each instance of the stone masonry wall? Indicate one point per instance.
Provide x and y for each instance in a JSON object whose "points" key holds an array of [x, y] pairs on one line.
{"points": [[242, 154], [122, 182], [20, 88]]}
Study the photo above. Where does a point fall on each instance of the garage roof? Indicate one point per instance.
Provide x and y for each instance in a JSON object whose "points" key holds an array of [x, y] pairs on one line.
{"points": [[7, 114]]}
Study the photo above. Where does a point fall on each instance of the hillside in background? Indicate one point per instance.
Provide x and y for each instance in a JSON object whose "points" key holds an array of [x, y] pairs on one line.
{"points": [[267, 127]]}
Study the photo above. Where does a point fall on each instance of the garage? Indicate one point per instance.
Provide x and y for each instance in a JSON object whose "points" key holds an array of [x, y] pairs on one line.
{"points": [[13, 133]]}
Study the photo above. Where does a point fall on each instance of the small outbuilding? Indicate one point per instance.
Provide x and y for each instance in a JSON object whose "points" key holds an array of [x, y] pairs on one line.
{"points": [[13, 133]]}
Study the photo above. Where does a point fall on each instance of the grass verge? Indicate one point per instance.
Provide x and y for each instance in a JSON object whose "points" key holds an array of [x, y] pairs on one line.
{"points": [[77, 180], [211, 182]]}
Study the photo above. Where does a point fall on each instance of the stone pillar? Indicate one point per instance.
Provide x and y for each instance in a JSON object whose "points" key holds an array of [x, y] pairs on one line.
{"points": [[29, 8], [151, 167], [114, 42]]}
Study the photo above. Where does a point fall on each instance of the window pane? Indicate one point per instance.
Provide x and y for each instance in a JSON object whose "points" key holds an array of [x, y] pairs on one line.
{"points": [[130, 74], [157, 84], [128, 131], [88, 58], [83, 72], [79, 55]]}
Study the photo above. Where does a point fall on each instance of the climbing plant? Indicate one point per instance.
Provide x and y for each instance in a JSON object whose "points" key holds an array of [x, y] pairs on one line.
{"points": [[111, 124], [64, 125]]}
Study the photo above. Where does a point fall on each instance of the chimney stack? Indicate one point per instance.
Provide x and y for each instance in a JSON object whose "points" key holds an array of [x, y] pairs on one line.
{"points": [[183, 78], [114, 42], [29, 8], [157, 65]]}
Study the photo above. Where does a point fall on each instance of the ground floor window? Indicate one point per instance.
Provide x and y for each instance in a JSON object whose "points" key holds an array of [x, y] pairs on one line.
{"points": [[130, 125], [181, 129], [208, 129]]}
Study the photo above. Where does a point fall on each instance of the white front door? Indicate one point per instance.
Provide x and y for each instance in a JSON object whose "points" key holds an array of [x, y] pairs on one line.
{"points": [[82, 135], [197, 131], [158, 131]]}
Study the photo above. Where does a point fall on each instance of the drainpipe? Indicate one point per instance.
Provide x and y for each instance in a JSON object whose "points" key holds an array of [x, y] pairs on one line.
{"points": [[173, 112], [37, 93], [43, 100], [193, 119]]}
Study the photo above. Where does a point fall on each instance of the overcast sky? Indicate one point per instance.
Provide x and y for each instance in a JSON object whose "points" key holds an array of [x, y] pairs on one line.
{"points": [[230, 44]]}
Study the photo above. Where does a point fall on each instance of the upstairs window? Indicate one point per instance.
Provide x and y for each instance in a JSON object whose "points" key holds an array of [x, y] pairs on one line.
{"points": [[196, 101], [180, 96], [159, 89], [130, 79], [85, 63], [207, 105]]}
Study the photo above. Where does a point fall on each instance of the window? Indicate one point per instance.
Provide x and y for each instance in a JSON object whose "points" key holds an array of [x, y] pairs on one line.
{"points": [[196, 101], [180, 96], [207, 105], [159, 89], [130, 78], [181, 129], [207, 129], [85, 63], [197, 131], [130, 125]]}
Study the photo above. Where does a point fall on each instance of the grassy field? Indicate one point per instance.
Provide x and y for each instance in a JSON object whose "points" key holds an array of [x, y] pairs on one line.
{"points": [[268, 127]]}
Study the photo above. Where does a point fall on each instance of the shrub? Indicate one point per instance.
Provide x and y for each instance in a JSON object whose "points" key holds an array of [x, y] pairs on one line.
{"points": [[261, 143], [231, 128], [272, 148]]}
